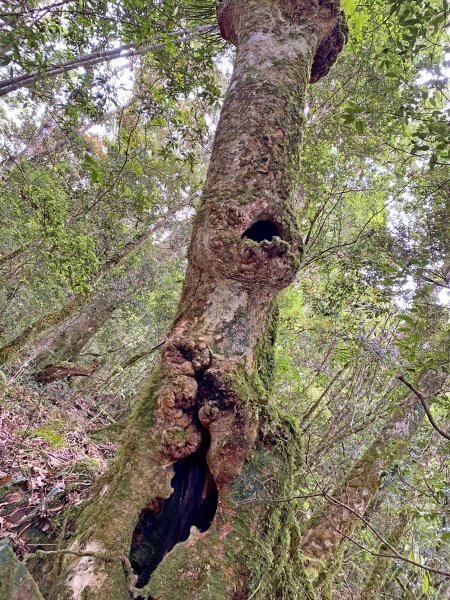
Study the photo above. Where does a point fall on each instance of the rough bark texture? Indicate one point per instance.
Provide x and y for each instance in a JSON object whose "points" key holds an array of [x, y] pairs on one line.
{"points": [[374, 583], [323, 537], [206, 401]]}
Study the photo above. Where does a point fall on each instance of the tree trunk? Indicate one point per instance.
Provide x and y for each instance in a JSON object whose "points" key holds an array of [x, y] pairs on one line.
{"points": [[198, 444], [378, 575], [35, 145], [64, 343], [30, 334], [61, 334], [325, 533]]}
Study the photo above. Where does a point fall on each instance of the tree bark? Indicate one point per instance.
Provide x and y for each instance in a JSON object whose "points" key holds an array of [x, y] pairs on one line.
{"points": [[198, 444], [61, 334], [379, 572], [323, 537]]}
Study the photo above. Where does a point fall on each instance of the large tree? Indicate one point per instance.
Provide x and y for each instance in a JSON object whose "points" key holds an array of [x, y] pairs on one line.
{"points": [[195, 447], [212, 492]]}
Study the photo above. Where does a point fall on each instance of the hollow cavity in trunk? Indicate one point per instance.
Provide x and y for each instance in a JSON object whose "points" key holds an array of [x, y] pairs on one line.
{"points": [[168, 522]]}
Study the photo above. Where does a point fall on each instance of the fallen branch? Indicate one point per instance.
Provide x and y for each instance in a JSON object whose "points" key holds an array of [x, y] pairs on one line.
{"points": [[53, 372]]}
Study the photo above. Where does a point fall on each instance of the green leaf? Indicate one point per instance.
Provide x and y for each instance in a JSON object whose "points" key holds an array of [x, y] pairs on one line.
{"points": [[407, 319], [425, 583], [359, 124]]}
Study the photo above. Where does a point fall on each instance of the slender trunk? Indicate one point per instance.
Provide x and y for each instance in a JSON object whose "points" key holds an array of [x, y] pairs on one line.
{"points": [[184, 461], [60, 335], [32, 333], [378, 575], [64, 343], [49, 124], [324, 535]]}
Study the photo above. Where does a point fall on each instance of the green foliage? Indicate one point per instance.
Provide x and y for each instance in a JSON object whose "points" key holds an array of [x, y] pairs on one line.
{"points": [[369, 301], [52, 438]]}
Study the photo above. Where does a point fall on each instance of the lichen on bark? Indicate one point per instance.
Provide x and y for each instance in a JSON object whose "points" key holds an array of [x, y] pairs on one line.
{"points": [[215, 372]]}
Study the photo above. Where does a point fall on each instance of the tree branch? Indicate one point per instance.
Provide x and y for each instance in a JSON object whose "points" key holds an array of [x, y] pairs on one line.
{"points": [[134, 359], [275, 500], [425, 407], [88, 60], [394, 554]]}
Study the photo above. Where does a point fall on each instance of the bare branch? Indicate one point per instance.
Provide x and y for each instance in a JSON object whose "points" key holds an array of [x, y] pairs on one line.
{"points": [[426, 407], [394, 554], [88, 60], [275, 500]]}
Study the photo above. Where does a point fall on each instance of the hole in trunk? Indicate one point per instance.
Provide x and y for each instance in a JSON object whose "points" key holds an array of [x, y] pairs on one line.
{"points": [[168, 522], [261, 230]]}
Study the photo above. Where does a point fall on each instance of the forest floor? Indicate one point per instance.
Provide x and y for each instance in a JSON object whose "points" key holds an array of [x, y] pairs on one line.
{"points": [[53, 444]]}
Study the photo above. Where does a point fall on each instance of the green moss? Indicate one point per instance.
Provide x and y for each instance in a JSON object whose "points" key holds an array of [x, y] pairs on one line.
{"points": [[134, 480], [272, 555], [108, 433], [16, 582], [176, 576], [53, 438], [254, 389], [87, 466], [259, 554]]}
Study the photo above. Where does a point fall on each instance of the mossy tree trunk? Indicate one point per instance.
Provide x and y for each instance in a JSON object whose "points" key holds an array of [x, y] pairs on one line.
{"points": [[322, 540], [374, 583], [333, 524], [61, 335], [197, 446], [323, 537], [65, 342]]}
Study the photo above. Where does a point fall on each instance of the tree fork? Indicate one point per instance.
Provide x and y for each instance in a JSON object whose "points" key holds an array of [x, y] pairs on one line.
{"points": [[195, 426]]}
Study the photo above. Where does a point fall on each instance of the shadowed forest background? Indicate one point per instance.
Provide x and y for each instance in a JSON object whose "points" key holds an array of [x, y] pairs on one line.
{"points": [[107, 115]]}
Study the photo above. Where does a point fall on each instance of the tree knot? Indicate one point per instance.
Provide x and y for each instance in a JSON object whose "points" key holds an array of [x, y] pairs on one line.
{"points": [[225, 19], [329, 49]]}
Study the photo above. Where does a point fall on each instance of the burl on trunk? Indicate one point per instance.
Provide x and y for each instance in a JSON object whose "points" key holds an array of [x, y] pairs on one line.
{"points": [[194, 447]]}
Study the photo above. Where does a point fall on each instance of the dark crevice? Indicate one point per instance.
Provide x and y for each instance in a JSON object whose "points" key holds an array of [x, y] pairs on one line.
{"points": [[210, 390], [168, 522], [261, 230], [185, 352]]}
